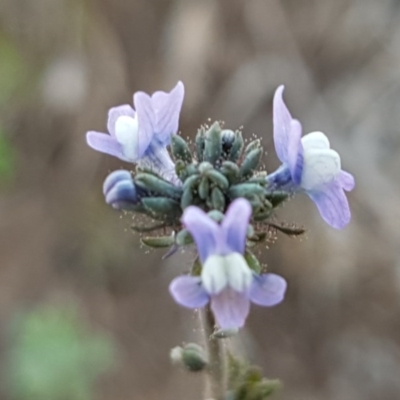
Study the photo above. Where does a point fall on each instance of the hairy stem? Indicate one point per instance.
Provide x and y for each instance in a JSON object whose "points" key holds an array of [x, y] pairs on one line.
{"points": [[216, 372]]}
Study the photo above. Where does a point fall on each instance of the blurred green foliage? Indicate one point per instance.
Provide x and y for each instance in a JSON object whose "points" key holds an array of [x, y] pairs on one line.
{"points": [[55, 357], [12, 70], [7, 159]]}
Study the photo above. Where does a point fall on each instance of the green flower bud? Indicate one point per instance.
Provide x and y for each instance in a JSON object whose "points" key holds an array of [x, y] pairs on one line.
{"points": [[213, 144], [218, 179], [252, 262], [162, 208], [237, 147], [157, 185], [250, 163], [183, 238], [204, 188], [180, 149], [192, 357], [255, 144], [217, 199], [231, 171], [200, 144], [247, 190]]}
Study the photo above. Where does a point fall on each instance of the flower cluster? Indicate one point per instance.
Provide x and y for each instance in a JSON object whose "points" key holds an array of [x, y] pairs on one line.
{"points": [[215, 195]]}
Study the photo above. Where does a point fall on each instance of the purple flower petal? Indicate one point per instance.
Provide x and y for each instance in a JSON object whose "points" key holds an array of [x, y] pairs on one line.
{"points": [[267, 290], [105, 144], [188, 292], [295, 152], [332, 204], [205, 231], [235, 224], [116, 112], [282, 125], [146, 121], [122, 193], [167, 107], [115, 177], [230, 308], [346, 180]]}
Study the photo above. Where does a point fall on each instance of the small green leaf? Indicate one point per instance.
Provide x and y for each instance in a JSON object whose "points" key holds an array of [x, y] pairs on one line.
{"points": [[200, 144], [252, 262]]}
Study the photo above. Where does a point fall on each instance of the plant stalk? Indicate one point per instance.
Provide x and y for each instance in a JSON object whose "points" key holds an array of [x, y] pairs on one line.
{"points": [[216, 384]]}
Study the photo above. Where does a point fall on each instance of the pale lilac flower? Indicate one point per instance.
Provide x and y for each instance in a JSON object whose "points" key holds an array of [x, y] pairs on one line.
{"points": [[226, 280], [141, 135], [310, 165], [120, 191]]}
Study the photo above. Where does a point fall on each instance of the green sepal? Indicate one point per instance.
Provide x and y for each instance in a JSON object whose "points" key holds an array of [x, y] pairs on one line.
{"points": [[158, 242], [157, 185], [277, 197], [252, 262], [250, 163], [217, 199], [219, 179], [191, 170], [200, 144], [255, 144], [231, 171], [237, 147], [180, 149], [196, 268], [187, 198], [247, 190], [191, 182], [162, 208], [213, 144], [183, 238], [204, 188]]}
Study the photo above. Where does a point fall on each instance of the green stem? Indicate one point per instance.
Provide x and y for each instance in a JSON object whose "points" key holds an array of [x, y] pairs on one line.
{"points": [[216, 371]]}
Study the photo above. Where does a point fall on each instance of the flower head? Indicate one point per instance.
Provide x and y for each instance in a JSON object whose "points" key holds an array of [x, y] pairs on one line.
{"points": [[120, 191], [141, 135], [310, 165], [226, 280]]}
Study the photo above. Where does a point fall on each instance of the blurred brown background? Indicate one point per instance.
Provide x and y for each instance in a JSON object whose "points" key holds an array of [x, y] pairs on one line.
{"points": [[337, 335]]}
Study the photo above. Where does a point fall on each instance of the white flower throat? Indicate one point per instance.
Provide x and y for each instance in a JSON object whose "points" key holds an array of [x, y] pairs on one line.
{"points": [[126, 133], [321, 164]]}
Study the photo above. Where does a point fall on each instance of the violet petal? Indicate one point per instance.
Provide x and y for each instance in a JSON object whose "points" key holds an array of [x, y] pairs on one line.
{"points": [[332, 204], [230, 308], [146, 121], [282, 125], [295, 152], [235, 224], [346, 180], [204, 230], [105, 144], [167, 107], [267, 289], [188, 292], [115, 177]]}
